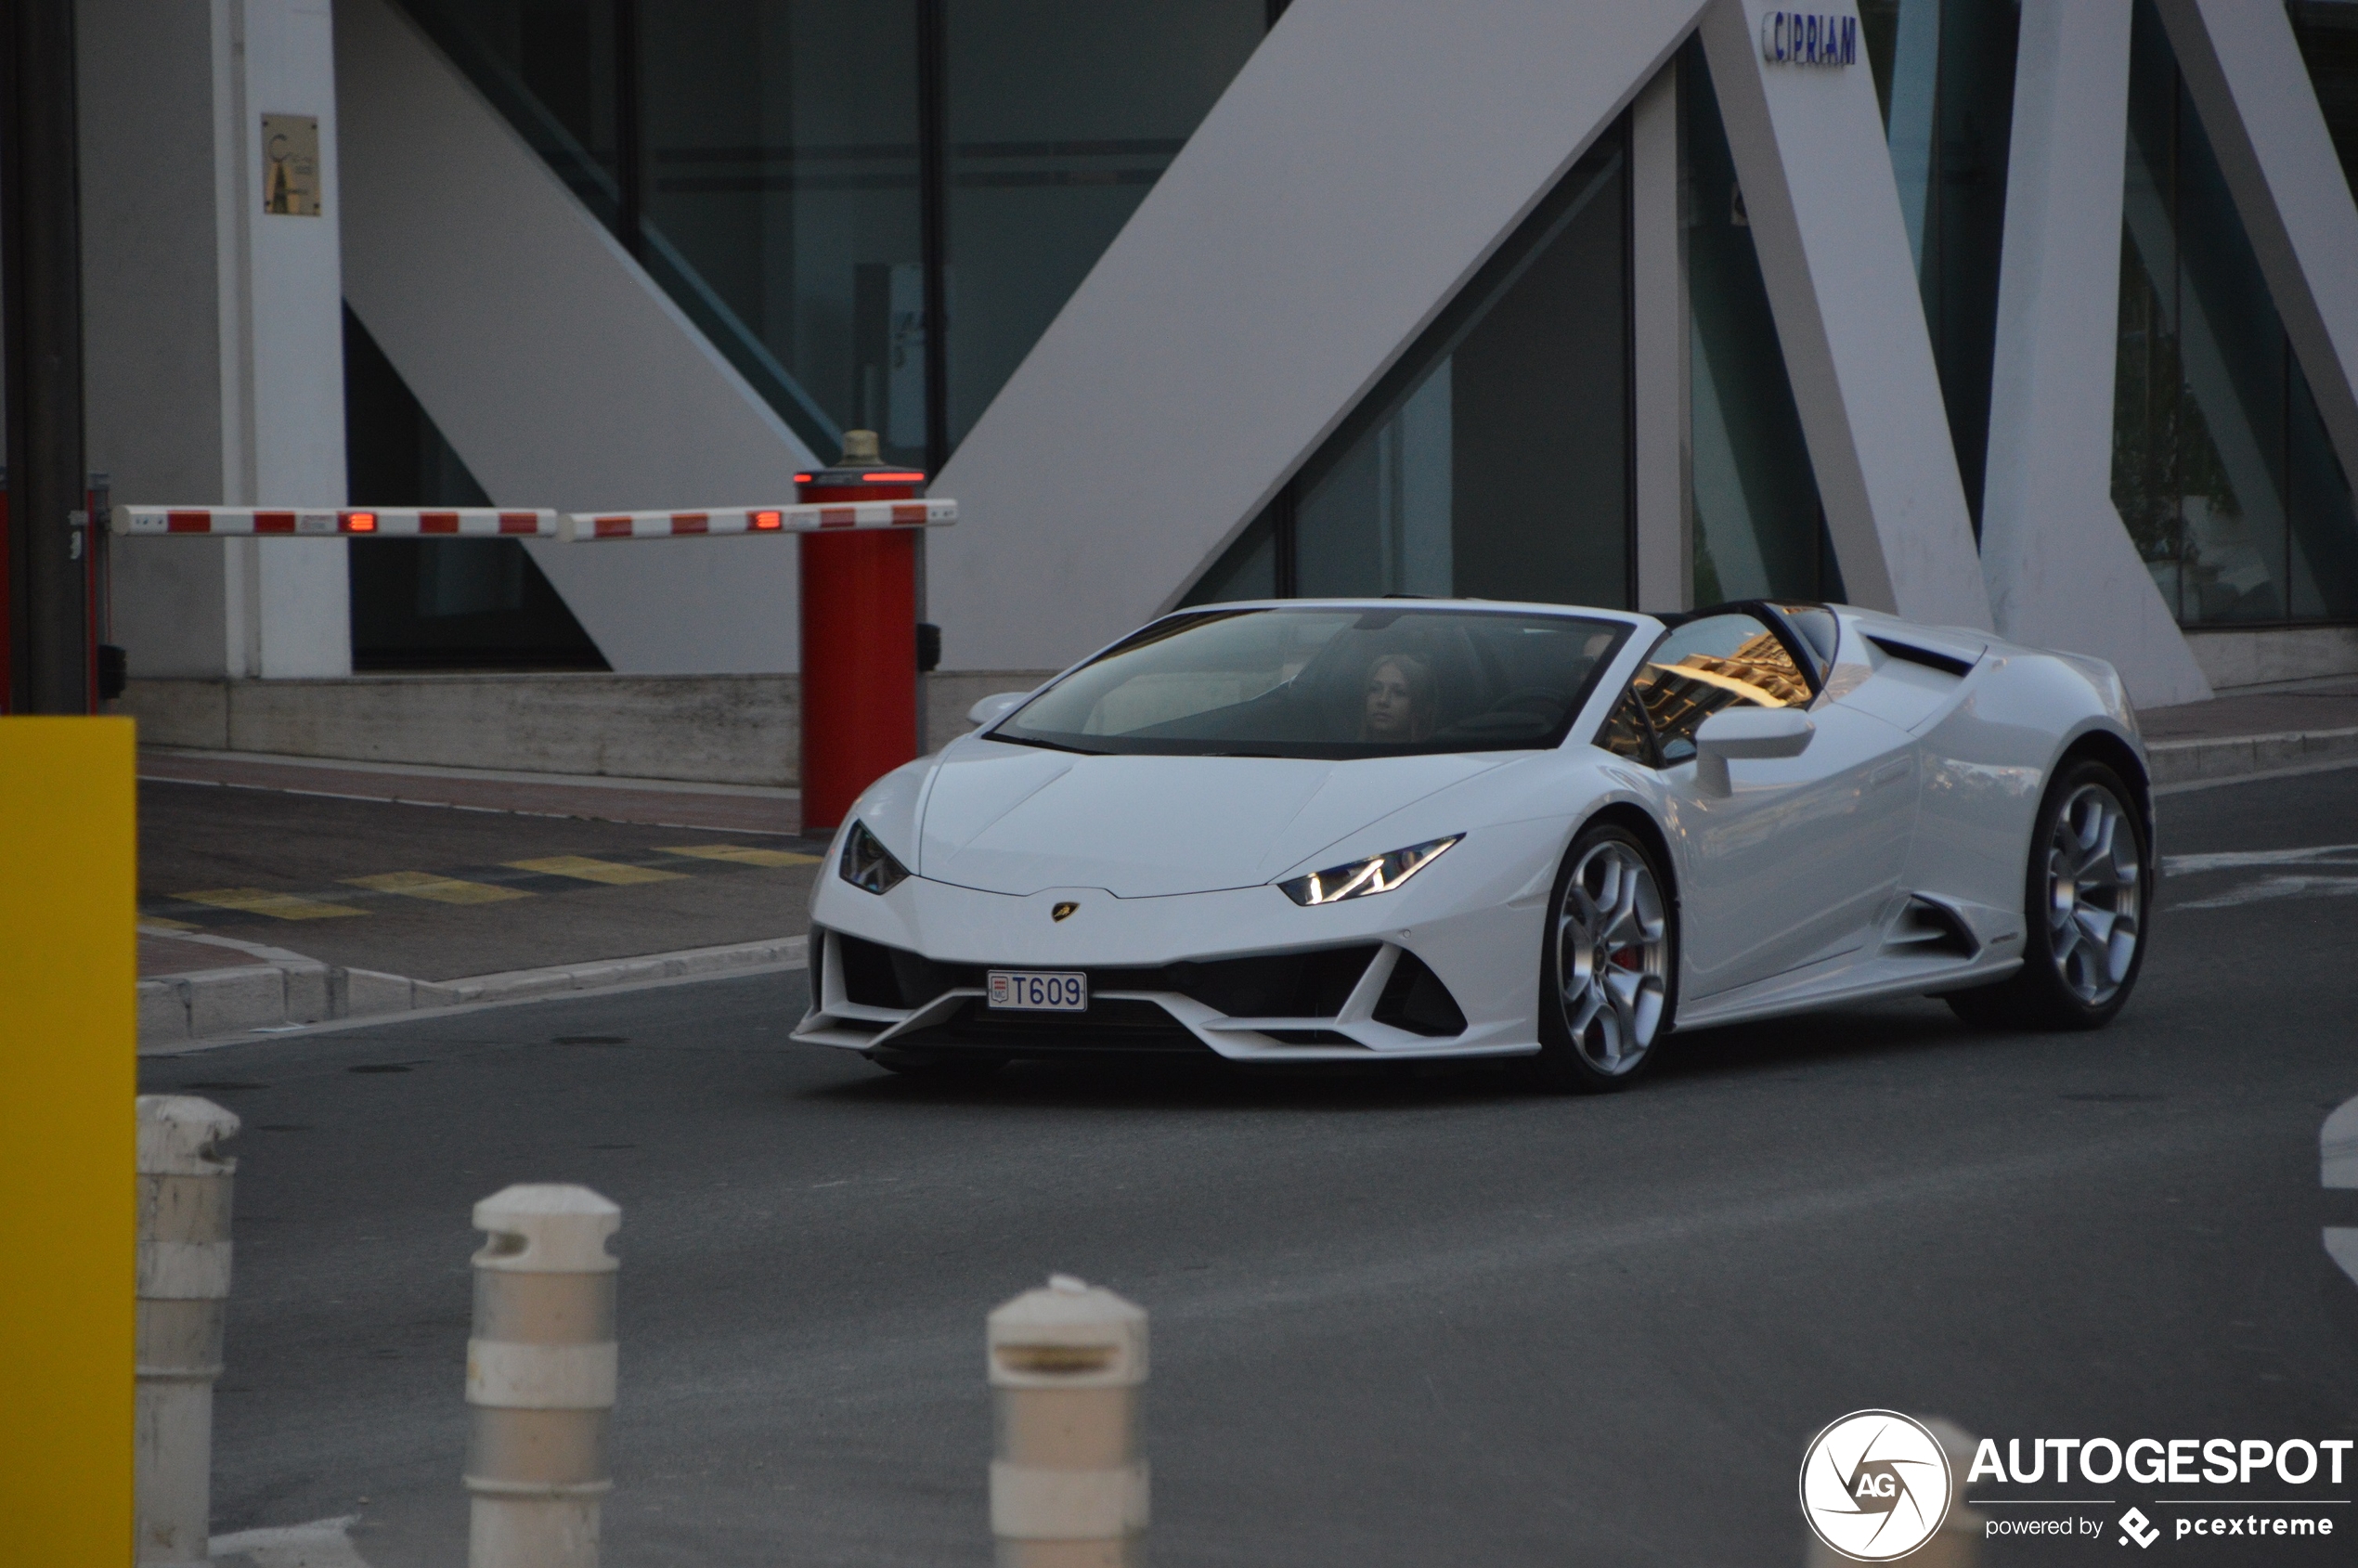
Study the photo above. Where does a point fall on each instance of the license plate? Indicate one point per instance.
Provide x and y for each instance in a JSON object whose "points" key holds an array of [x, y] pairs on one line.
{"points": [[1038, 990]]}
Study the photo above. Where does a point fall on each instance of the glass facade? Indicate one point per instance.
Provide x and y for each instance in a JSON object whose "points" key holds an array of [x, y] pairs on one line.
{"points": [[817, 183], [1759, 527], [2222, 469], [1493, 461], [2328, 35], [1944, 77], [437, 603]]}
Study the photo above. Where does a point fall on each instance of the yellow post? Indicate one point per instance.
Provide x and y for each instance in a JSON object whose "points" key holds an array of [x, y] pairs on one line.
{"points": [[68, 1076]]}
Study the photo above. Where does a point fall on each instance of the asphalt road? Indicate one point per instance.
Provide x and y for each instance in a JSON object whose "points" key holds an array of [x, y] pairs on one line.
{"points": [[1398, 1318]]}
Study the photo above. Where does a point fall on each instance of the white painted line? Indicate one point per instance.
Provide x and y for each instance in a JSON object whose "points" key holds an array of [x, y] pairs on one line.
{"points": [[324, 1543], [2269, 888], [2187, 865], [2333, 765]]}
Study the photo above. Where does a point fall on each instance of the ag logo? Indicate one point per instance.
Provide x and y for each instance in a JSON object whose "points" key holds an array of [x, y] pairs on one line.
{"points": [[1875, 1485]]}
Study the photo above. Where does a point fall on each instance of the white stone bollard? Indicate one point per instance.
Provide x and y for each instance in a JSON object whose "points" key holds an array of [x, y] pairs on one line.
{"points": [[184, 1299], [540, 1376], [1067, 1481]]}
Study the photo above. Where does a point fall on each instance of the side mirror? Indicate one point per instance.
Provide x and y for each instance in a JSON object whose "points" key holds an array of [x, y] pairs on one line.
{"points": [[994, 707], [1747, 733]]}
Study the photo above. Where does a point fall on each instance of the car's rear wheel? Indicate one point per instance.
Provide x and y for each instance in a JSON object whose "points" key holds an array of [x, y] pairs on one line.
{"points": [[1607, 967], [2086, 895]]}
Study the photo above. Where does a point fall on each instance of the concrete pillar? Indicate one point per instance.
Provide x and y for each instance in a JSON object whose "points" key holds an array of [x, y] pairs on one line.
{"points": [[184, 1189], [1658, 328], [214, 324], [540, 1377], [1067, 1481], [2060, 568], [1833, 241]]}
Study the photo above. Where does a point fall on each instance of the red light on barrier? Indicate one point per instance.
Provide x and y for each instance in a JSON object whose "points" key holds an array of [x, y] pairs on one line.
{"points": [[891, 477], [768, 520], [802, 479], [361, 521]]}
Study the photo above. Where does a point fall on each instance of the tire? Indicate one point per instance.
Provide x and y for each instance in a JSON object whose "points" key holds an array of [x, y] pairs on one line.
{"points": [[1608, 966], [941, 1066], [2087, 901]]}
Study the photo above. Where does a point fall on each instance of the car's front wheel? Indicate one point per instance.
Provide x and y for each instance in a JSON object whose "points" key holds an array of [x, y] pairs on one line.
{"points": [[1608, 968], [2086, 895]]}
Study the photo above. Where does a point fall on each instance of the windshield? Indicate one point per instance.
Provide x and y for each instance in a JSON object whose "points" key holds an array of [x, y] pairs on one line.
{"points": [[1326, 683]]}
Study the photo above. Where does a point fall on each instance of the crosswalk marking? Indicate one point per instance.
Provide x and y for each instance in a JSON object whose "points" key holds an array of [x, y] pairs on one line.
{"points": [[588, 870], [277, 906], [741, 854], [441, 889]]}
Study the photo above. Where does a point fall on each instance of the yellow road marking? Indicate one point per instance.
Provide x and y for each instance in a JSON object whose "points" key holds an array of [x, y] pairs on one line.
{"points": [[441, 889], [588, 870], [277, 906], [741, 854], [158, 923]]}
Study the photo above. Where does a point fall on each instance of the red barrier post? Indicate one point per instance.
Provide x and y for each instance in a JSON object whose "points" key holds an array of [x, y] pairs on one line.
{"points": [[859, 637]]}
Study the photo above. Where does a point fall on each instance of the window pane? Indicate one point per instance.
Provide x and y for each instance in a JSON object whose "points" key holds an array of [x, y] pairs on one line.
{"points": [[1759, 529], [782, 171], [1062, 115], [1247, 569], [2240, 513], [2328, 35], [1493, 462], [2323, 564]]}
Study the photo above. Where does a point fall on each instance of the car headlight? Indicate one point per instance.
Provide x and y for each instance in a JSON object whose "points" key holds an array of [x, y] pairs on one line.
{"points": [[1362, 879], [867, 864]]}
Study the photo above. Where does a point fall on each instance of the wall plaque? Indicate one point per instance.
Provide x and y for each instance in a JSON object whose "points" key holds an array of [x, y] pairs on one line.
{"points": [[291, 164]]}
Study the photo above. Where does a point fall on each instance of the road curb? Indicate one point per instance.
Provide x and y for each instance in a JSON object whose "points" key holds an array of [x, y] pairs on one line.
{"points": [[288, 991], [2227, 756]]}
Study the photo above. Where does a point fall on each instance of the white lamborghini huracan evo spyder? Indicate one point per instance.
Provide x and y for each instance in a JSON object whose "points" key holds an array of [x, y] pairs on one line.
{"points": [[1356, 830]]}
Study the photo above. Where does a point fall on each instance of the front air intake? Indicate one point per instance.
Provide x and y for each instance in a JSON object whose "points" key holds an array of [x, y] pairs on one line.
{"points": [[1414, 999]]}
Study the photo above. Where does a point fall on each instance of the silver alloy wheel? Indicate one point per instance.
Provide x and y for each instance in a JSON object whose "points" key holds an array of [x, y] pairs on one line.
{"points": [[1613, 957], [2095, 894]]}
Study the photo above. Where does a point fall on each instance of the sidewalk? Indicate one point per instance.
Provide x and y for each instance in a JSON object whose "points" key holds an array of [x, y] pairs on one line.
{"points": [[404, 887], [2256, 732]]}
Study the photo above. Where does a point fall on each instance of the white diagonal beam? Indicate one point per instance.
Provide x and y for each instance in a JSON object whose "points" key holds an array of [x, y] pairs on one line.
{"points": [[560, 371], [1825, 217], [2243, 69], [2062, 570], [1367, 161]]}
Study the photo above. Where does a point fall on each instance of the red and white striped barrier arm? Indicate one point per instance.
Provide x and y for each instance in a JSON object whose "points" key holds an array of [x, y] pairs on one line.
{"points": [[396, 523], [582, 526], [405, 522]]}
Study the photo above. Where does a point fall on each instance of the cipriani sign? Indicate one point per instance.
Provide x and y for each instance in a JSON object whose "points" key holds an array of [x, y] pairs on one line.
{"points": [[1808, 38]]}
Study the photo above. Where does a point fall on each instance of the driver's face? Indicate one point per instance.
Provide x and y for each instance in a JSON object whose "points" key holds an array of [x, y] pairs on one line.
{"points": [[1390, 708]]}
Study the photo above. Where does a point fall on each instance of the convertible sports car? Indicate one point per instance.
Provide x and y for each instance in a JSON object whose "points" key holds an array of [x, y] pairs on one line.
{"points": [[1359, 830]]}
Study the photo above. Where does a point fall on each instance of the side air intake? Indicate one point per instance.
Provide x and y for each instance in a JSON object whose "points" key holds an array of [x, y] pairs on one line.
{"points": [[1933, 929]]}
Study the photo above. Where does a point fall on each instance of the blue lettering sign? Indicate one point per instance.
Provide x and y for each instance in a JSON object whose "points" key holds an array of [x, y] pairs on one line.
{"points": [[1810, 38]]}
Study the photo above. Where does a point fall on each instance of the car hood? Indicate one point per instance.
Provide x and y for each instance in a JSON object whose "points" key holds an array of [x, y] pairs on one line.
{"points": [[1020, 820]]}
